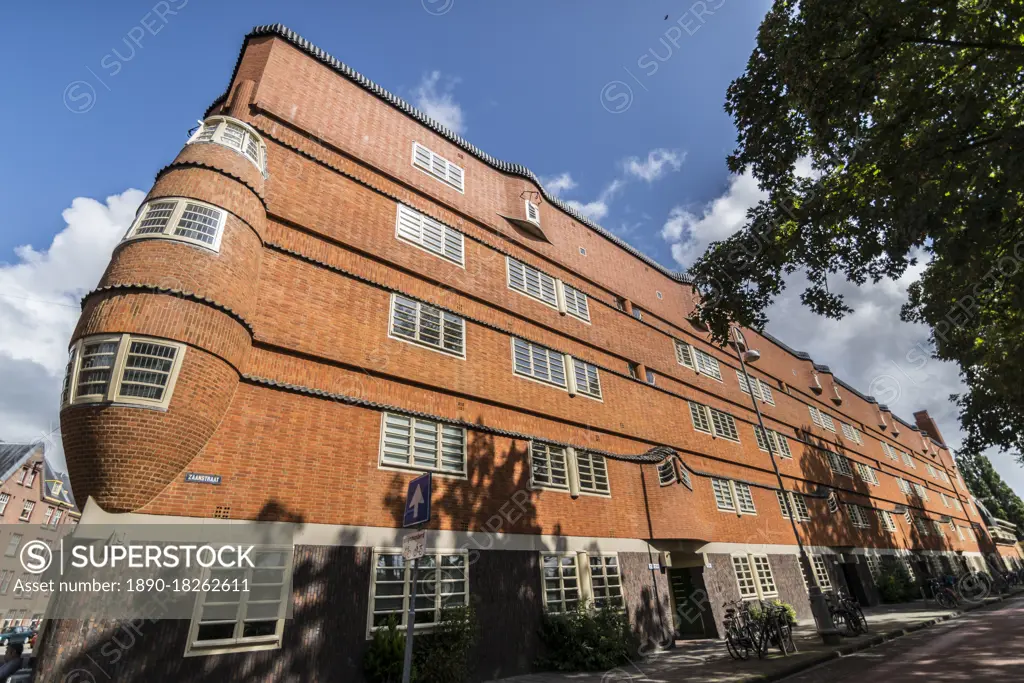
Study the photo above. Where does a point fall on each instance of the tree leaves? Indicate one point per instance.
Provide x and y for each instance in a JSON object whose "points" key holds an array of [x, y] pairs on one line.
{"points": [[881, 130]]}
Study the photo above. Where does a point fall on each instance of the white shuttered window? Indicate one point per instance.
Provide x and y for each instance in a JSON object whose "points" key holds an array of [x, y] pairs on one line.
{"points": [[413, 443], [433, 236]]}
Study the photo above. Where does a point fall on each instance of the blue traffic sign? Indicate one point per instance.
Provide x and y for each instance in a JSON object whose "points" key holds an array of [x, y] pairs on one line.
{"points": [[417, 501]]}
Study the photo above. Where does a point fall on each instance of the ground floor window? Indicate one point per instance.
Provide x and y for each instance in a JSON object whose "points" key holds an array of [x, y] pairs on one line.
{"points": [[251, 619], [874, 565], [821, 573], [572, 578], [754, 577], [442, 581]]}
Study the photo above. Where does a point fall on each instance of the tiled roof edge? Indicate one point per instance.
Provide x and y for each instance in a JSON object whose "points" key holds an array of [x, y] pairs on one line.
{"points": [[351, 74]]}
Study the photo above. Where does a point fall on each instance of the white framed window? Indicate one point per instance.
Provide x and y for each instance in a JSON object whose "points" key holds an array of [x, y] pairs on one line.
{"points": [[180, 219], [31, 478], [921, 525], [533, 283], [778, 442], [435, 165], [430, 235], [904, 485], [714, 422], [886, 520], [945, 500], [650, 377], [49, 514], [908, 461], [733, 496], [707, 364], [890, 452], [442, 581], [538, 362], [561, 578], [754, 577], [754, 386], [822, 419], [858, 516], [606, 581], [798, 503], [12, 545], [874, 564], [238, 135], [593, 472], [250, 619], [587, 378], [411, 443], [931, 470], [123, 368], [840, 464], [944, 476], [959, 531], [56, 519], [26, 510], [549, 466], [921, 491], [938, 526], [821, 573], [5, 498], [416, 322], [956, 504], [851, 432], [575, 302], [684, 354], [667, 472], [638, 313], [866, 473]]}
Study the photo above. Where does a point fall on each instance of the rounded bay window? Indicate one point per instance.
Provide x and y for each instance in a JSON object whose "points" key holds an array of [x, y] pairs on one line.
{"points": [[239, 136]]}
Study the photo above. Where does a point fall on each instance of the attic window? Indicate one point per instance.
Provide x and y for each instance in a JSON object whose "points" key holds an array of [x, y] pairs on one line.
{"points": [[532, 213]]}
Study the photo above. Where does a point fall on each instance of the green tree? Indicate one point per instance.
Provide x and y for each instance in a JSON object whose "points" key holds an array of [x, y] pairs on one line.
{"points": [[886, 132], [988, 487]]}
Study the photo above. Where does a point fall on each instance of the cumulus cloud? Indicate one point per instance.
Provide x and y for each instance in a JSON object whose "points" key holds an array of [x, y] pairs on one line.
{"points": [[870, 349], [436, 100], [657, 163], [39, 306], [558, 184], [598, 208]]}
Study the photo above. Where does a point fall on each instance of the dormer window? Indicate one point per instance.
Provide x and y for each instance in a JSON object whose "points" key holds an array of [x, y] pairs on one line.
{"points": [[241, 137], [532, 213]]}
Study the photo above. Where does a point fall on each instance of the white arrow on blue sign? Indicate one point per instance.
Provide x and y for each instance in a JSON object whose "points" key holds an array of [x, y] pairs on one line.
{"points": [[417, 501]]}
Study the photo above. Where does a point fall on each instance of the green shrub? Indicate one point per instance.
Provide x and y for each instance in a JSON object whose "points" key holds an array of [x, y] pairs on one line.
{"points": [[894, 585], [757, 613], [440, 656], [586, 639], [385, 655]]}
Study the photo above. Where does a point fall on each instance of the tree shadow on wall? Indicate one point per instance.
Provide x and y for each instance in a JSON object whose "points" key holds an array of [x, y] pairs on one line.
{"points": [[494, 501], [836, 529], [330, 585]]}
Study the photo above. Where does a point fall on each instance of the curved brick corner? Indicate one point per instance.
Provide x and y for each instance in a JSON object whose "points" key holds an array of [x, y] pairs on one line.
{"points": [[217, 156], [124, 456], [214, 187]]}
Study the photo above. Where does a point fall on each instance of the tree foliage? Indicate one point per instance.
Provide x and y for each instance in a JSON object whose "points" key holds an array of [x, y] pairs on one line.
{"points": [[885, 132], [988, 487]]}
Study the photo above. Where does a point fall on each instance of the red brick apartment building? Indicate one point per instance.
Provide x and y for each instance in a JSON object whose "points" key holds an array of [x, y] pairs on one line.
{"points": [[327, 293], [35, 501]]}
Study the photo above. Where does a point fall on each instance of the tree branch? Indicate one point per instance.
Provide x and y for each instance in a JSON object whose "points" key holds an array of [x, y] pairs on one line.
{"points": [[970, 44]]}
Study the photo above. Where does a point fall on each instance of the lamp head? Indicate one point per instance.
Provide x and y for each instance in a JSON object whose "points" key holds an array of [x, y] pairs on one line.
{"points": [[751, 356]]}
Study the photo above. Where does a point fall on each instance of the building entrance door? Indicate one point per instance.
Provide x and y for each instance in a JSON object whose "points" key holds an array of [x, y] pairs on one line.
{"points": [[690, 606], [854, 583]]}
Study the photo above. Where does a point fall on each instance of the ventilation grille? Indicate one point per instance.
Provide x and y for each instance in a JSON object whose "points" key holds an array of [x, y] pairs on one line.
{"points": [[222, 512]]}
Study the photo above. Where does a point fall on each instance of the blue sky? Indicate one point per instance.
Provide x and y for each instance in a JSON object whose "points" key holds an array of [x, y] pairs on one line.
{"points": [[618, 107]]}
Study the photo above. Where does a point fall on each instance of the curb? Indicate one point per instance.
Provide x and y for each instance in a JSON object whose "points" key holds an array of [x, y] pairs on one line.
{"points": [[867, 644]]}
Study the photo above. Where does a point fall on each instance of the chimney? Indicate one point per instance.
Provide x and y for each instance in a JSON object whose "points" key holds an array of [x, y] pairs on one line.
{"points": [[926, 424]]}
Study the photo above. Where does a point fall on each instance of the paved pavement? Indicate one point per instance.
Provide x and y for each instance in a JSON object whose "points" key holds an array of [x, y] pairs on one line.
{"points": [[708, 660], [981, 646]]}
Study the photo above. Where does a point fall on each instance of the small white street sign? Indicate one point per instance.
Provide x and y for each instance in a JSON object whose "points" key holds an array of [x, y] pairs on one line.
{"points": [[414, 545]]}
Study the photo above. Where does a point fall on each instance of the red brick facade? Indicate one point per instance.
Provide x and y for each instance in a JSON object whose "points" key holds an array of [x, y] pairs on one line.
{"points": [[289, 361]]}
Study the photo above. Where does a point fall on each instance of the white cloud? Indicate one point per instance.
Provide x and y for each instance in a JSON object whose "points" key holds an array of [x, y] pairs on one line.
{"points": [[558, 184], [598, 209], [690, 233], [870, 349], [657, 163], [39, 306], [436, 101]]}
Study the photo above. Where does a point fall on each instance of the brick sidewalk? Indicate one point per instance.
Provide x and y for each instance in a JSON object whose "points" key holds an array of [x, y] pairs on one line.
{"points": [[708, 660]]}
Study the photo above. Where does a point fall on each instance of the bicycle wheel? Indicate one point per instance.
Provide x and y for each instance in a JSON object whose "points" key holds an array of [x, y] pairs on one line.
{"points": [[843, 623], [945, 600], [862, 621], [736, 646]]}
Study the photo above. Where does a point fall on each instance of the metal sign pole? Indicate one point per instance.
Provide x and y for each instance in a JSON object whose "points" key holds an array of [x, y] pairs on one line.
{"points": [[407, 667]]}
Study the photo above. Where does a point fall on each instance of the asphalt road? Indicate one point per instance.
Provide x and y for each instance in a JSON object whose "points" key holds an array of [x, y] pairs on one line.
{"points": [[984, 645]]}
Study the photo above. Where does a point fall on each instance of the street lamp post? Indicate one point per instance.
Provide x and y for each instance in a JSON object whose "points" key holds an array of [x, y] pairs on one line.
{"points": [[819, 608]]}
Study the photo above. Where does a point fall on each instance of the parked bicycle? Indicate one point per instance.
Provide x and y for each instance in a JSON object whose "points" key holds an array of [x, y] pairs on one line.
{"points": [[945, 596], [847, 614], [756, 627]]}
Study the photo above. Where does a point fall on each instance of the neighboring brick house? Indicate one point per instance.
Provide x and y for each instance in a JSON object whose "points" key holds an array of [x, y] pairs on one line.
{"points": [[33, 493], [327, 293]]}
